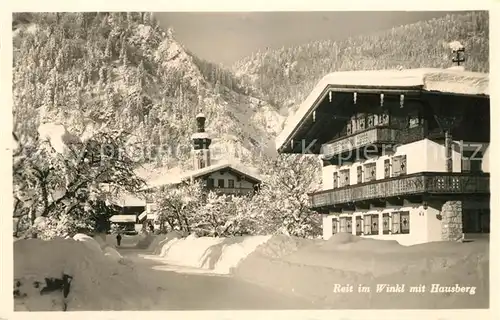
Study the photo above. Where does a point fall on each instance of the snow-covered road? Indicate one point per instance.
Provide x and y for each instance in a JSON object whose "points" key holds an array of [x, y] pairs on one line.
{"points": [[178, 288]]}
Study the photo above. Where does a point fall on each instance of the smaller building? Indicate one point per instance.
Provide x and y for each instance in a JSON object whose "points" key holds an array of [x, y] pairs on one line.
{"points": [[130, 208], [230, 178]]}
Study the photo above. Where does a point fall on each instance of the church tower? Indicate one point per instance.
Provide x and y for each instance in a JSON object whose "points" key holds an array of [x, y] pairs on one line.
{"points": [[201, 144]]}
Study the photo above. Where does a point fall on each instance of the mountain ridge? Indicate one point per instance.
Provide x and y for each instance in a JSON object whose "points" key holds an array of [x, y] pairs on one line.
{"points": [[285, 76]]}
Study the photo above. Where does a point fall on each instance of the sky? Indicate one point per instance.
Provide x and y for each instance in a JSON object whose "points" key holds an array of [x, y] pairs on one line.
{"points": [[226, 37]]}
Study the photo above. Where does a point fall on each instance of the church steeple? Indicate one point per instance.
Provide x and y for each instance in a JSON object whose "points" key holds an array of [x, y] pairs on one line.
{"points": [[201, 144]]}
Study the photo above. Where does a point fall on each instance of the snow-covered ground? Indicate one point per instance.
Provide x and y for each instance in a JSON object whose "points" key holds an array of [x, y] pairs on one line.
{"points": [[75, 274], [314, 269], [169, 272]]}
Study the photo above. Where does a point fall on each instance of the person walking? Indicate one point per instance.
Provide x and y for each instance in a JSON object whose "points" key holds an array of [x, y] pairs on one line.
{"points": [[118, 239]]}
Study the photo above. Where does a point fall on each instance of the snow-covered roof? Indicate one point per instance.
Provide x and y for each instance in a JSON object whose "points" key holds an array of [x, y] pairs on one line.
{"points": [[174, 176], [117, 218], [453, 81], [236, 166], [200, 135], [128, 200]]}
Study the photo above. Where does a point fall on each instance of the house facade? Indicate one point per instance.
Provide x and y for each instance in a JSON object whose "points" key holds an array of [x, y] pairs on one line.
{"points": [[404, 153]]}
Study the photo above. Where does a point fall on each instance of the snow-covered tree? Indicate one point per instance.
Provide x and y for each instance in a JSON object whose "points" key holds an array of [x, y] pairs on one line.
{"points": [[282, 204], [223, 216], [69, 189], [177, 204]]}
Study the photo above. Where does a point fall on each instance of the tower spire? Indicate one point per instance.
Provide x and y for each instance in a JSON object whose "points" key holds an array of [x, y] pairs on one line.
{"points": [[201, 143]]}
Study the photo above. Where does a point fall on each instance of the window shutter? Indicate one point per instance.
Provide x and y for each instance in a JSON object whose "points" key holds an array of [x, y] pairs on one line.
{"points": [[387, 168], [360, 174], [334, 225], [349, 224], [403, 165], [335, 180], [367, 219], [405, 222], [374, 229], [343, 224], [359, 225], [395, 223], [385, 223]]}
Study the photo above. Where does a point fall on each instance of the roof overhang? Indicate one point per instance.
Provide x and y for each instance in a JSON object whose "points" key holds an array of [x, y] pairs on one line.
{"points": [[123, 218], [413, 82]]}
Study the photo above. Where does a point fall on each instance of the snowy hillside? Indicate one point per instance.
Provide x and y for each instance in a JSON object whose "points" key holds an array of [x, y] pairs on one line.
{"points": [[286, 76], [91, 71]]}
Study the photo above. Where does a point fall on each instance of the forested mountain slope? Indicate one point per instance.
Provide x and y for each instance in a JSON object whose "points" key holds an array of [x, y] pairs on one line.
{"points": [[285, 76], [89, 71]]}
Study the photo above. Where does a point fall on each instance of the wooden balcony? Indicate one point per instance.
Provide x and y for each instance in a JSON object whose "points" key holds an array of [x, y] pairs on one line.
{"points": [[423, 183], [377, 139]]}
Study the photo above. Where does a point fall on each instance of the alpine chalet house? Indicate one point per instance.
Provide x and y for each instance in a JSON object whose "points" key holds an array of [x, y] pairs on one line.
{"points": [[229, 178], [404, 153], [129, 208]]}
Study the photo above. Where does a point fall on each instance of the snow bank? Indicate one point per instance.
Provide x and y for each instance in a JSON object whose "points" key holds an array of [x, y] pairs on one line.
{"points": [[219, 255], [89, 242], [160, 242], [74, 275], [311, 269]]}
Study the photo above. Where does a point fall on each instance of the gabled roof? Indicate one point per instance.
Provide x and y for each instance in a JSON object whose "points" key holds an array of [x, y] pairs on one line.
{"points": [[235, 167], [128, 200], [174, 176], [453, 81]]}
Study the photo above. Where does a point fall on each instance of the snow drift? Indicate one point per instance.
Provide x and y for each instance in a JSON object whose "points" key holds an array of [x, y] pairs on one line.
{"points": [[220, 255], [64, 274], [315, 267]]}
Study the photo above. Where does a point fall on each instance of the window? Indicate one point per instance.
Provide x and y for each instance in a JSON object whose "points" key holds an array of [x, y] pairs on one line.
{"points": [[370, 120], [370, 224], [359, 226], [210, 183], [360, 174], [370, 171], [335, 179], [230, 183], [361, 122], [398, 166], [383, 119], [344, 178], [387, 168], [220, 183], [414, 119], [335, 222], [385, 223], [345, 224], [472, 161], [400, 222], [201, 163]]}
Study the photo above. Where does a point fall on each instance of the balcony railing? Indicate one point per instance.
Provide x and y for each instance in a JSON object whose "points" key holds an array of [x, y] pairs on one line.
{"points": [[372, 136], [432, 183], [237, 191]]}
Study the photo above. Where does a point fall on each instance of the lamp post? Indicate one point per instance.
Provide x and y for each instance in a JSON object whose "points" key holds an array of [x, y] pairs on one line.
{"points": [[458, 50]]}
